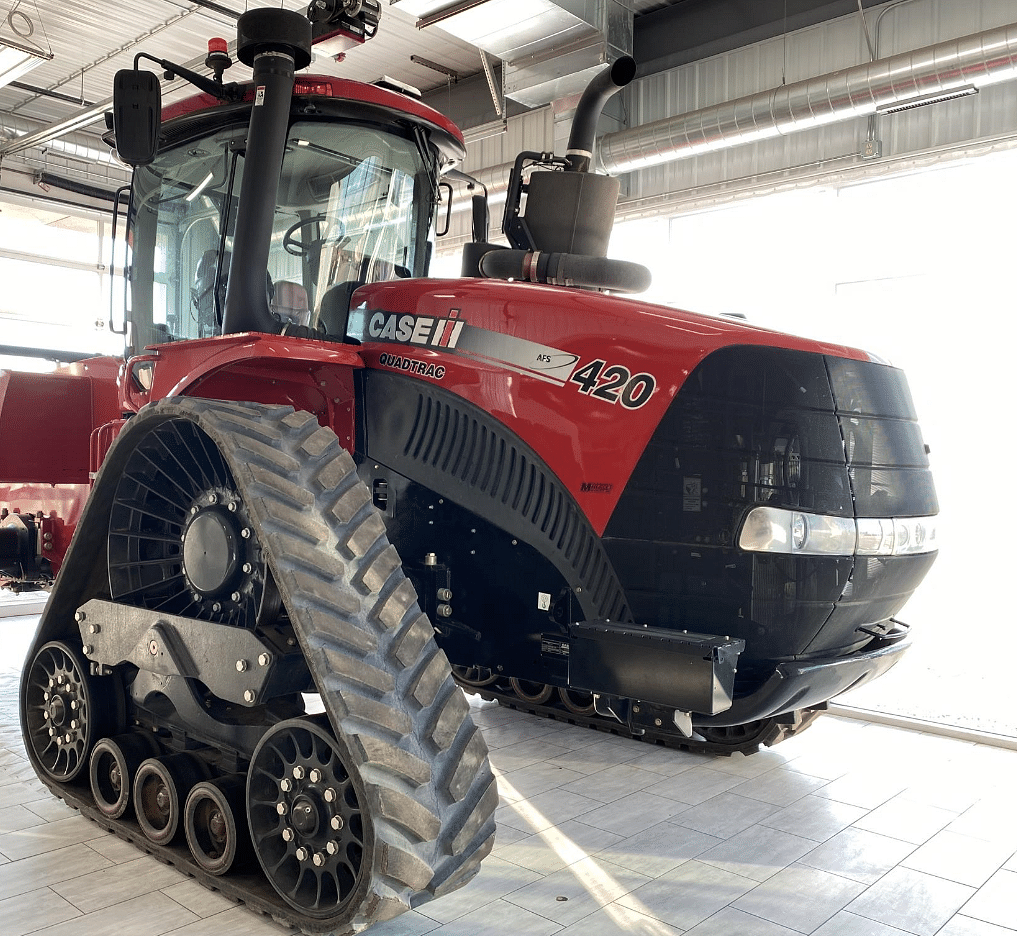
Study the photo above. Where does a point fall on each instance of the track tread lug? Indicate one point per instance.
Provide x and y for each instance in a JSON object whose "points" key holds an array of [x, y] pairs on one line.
{"points": [[395, 759], [349, 504], [410, 815], [411, 642], [391, 610], [353, 669], [470, 762], [431, 677], [451, 717]]}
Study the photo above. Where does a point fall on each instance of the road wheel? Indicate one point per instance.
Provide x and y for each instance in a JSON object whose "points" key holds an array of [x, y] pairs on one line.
{"points": [[533, 692]]}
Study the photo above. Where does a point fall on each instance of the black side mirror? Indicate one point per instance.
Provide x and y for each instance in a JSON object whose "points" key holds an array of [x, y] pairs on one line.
{"points": [[137, 112]]}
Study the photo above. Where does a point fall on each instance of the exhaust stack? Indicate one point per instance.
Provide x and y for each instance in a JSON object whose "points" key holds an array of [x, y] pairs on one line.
{"points": [[570, 211]]}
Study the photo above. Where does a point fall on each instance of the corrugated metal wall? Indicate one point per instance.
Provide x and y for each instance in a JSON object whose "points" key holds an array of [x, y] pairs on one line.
{"points": [[832, 150], [923, 136]]}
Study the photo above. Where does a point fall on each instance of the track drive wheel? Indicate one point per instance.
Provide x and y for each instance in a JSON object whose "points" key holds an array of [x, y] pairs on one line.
{"points": [[65, 710]]}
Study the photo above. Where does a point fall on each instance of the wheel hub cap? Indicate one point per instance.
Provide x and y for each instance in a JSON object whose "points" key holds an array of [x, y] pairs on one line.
{"points": [[210, 552]]}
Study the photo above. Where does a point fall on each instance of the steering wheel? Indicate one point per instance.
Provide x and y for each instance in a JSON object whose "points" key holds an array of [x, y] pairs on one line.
{"points": [[300, 248]]}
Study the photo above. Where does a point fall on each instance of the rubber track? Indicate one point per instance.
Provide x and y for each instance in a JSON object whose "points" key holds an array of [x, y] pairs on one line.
{"points": [[386, 686], [772, 732]]}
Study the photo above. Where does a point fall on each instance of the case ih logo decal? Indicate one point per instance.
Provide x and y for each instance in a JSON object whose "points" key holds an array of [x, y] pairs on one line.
{"points": [[609, 383], [416, 329], [453, 335]]}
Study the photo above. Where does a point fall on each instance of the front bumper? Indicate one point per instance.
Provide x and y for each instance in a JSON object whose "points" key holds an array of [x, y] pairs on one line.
{"points": [[798, 685]]}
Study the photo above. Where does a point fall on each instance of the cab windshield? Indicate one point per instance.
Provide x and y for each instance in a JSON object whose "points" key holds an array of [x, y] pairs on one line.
{"points": [[355, 205]]}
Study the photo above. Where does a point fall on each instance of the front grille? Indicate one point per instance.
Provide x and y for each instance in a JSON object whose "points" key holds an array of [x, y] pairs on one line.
{"points": [[791, 429]]}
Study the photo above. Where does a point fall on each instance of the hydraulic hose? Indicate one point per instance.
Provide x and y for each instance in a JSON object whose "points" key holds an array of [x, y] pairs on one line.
{"points": [[564, 269], [584, 125]]}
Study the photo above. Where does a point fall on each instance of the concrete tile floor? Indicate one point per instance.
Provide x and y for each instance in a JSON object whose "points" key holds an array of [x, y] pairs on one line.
{"points": [[850, 829]]}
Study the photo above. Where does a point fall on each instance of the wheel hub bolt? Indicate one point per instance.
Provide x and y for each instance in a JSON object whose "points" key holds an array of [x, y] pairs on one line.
{"points": [[282, 808], [330, 795], [241, 666], [249, 695], [298, 772], [288, 834], [235, 596], [217, 607], [246, 533], [67, 738], [52, 732], [318, 859], [314, 776], [248, 568], [337, 823], [74, 724], [79, 616], [45, 697], [264, 659], [332, 847], [286, 784], [74, 706], [302, 853], [212, 499], [232, 506]]}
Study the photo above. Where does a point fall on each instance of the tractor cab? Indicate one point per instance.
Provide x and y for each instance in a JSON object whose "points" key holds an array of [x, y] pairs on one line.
{"points": [[356, 202]]}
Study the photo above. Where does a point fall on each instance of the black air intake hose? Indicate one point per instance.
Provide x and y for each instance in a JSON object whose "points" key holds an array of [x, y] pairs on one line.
{"points": [[584, 125], [564, 269]]}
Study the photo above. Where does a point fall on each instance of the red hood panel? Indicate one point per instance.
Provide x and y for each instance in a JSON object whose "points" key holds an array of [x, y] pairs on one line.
{"points": [[583, 378]]}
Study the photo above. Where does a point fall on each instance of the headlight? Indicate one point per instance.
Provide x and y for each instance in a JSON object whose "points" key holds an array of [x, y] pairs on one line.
{"points": [[777, 530]]}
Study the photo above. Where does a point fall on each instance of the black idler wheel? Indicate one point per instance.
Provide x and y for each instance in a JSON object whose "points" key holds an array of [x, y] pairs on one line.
{"points": [[577, 701], [161, 786], [112, 767], [65, 710], [533, 692], [311, 832], [215, 823], [736, 737]]}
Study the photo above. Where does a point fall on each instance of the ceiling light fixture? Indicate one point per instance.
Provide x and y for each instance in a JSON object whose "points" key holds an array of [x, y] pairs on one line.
{"points": [[922, 99], [18, 53]]}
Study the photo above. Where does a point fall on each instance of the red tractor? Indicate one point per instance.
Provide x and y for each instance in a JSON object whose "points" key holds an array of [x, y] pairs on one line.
{"points": [[682, 529]]}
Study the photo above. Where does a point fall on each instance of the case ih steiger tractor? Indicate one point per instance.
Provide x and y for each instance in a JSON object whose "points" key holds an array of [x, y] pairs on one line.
{"points": [[681, 529]]}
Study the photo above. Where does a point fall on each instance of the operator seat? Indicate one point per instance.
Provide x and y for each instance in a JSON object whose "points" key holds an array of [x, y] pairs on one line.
{"points": [[289, 303]]}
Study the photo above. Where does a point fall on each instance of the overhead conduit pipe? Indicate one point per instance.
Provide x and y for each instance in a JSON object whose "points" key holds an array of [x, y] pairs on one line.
{"points": [[979, 60]]}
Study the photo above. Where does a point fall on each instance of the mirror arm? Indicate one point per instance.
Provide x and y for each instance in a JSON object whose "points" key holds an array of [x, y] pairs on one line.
{"points": [[224, 92]]}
